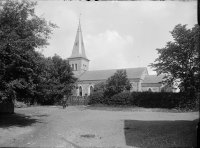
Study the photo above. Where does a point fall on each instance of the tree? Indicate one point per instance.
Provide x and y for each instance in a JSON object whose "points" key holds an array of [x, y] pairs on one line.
{"points": [[61, 77], [100, 87], [21, 32], [179, 59], [117, 83]]}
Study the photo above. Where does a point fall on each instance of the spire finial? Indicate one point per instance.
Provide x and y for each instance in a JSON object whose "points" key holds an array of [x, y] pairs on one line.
{"points": [[79, 17]]}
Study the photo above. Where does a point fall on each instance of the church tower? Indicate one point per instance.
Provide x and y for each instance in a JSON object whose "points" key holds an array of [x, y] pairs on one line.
{"points": [[78, 60]]}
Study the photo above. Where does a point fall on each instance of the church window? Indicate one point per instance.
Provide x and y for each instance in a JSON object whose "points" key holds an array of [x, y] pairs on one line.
{"points": [[72, 66], [80, 91], [75, 66], [149, 90], [76, 44]]}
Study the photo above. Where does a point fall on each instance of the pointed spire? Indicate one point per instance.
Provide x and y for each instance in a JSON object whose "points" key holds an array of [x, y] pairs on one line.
{"points": [[79, 49]]}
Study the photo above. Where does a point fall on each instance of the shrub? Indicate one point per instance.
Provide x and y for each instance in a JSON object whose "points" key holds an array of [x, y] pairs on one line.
{"points": [[19, 104], [117, 83], [99, 87], [121, 99], [153, 99], [183, 100], [96, 98]]}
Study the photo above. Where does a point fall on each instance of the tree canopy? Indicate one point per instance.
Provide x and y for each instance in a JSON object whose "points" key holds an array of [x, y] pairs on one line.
{"points": [[99, 87], [179, 59], [24, 72], [117, 83]]}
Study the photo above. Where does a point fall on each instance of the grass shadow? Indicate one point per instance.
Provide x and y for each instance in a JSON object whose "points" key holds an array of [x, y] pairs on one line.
{"points": [[160, 134], [16, 119]]}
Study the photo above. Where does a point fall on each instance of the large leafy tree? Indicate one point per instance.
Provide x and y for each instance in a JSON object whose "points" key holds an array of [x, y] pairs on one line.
{"points": [[58, 78], [179, 59], [117, 83], [21, 32]]}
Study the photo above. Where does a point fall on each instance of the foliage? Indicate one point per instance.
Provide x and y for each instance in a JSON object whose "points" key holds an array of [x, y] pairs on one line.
{"points": [[18, 104], [121, 99], [96, 98], [117, 83], [182, 100], [21, 31], [57, 79], [26, 75], [179, 59], [99, 87]]}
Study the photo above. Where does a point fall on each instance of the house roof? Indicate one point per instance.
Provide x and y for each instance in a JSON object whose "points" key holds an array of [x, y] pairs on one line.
{"points": [[132, 73], [153, 78]]}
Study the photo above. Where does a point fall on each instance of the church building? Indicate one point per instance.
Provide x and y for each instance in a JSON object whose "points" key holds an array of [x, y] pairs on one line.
{"points": [[138, 77]]}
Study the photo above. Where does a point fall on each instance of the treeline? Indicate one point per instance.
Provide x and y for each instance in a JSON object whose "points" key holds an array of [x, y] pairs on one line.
{"points": [[25, 74]]}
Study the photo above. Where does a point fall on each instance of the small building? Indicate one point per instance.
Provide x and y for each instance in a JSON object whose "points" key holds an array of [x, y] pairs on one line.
{"points": [[139, 77]]}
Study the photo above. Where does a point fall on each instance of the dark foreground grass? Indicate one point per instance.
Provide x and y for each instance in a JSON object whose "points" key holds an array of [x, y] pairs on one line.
{"points": [[20, 120], [160, 134]]}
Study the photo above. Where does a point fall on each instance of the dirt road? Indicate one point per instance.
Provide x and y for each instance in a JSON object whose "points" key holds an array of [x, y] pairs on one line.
{"points": [[75, 127]]}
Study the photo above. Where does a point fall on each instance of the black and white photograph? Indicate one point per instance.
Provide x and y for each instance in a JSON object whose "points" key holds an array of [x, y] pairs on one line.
{"points": [[99, 74]]}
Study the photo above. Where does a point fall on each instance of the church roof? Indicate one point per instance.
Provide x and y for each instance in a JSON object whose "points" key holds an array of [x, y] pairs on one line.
{"points": [[78, 49], [132, 73], [153, 78]]}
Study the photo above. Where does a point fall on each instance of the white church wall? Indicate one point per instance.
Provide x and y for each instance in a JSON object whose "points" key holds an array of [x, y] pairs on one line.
{"points": [[134, 86], [84, 65], [154, 89], [139, 86], [85, 89]]}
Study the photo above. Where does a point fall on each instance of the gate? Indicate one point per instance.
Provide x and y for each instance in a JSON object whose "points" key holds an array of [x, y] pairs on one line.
{"points": [[78, 100]]}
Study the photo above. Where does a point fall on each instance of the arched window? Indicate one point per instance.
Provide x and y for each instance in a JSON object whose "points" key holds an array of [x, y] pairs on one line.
{"points": [[72, 66], [76, 66], [149, 90], [91, 89], [80, 91]]}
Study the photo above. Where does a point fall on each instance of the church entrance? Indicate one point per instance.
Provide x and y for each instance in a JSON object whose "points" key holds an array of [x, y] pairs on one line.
{"points": [[80, 91]]}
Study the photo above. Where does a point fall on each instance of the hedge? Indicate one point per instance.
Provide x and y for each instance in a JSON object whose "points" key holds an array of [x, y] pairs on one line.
{"points": [[96, 98], [148, 99]]}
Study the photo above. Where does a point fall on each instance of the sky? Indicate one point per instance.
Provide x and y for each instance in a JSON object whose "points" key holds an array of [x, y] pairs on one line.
{"points": [[116, 34]]}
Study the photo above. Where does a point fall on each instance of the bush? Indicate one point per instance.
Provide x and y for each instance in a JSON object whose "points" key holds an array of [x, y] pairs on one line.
{"points": [[153, 99], [123, 99], [19, 104], [117, 83], [169, 100], [96, 98], [6, 108]]}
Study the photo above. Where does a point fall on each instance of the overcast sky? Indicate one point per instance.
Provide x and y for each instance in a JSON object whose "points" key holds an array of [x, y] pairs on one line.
{"points": [[115, 33]]}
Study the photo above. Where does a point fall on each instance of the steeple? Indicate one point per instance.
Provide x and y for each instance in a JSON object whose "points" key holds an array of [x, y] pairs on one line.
{"points": [[78, 49], [78, 60]]}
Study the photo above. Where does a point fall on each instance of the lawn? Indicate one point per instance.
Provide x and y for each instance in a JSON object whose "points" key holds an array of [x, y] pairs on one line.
{"points": [[163, 134]]}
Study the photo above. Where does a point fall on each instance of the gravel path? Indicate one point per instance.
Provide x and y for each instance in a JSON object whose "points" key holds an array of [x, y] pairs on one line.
{"points": [[77, 127]]}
